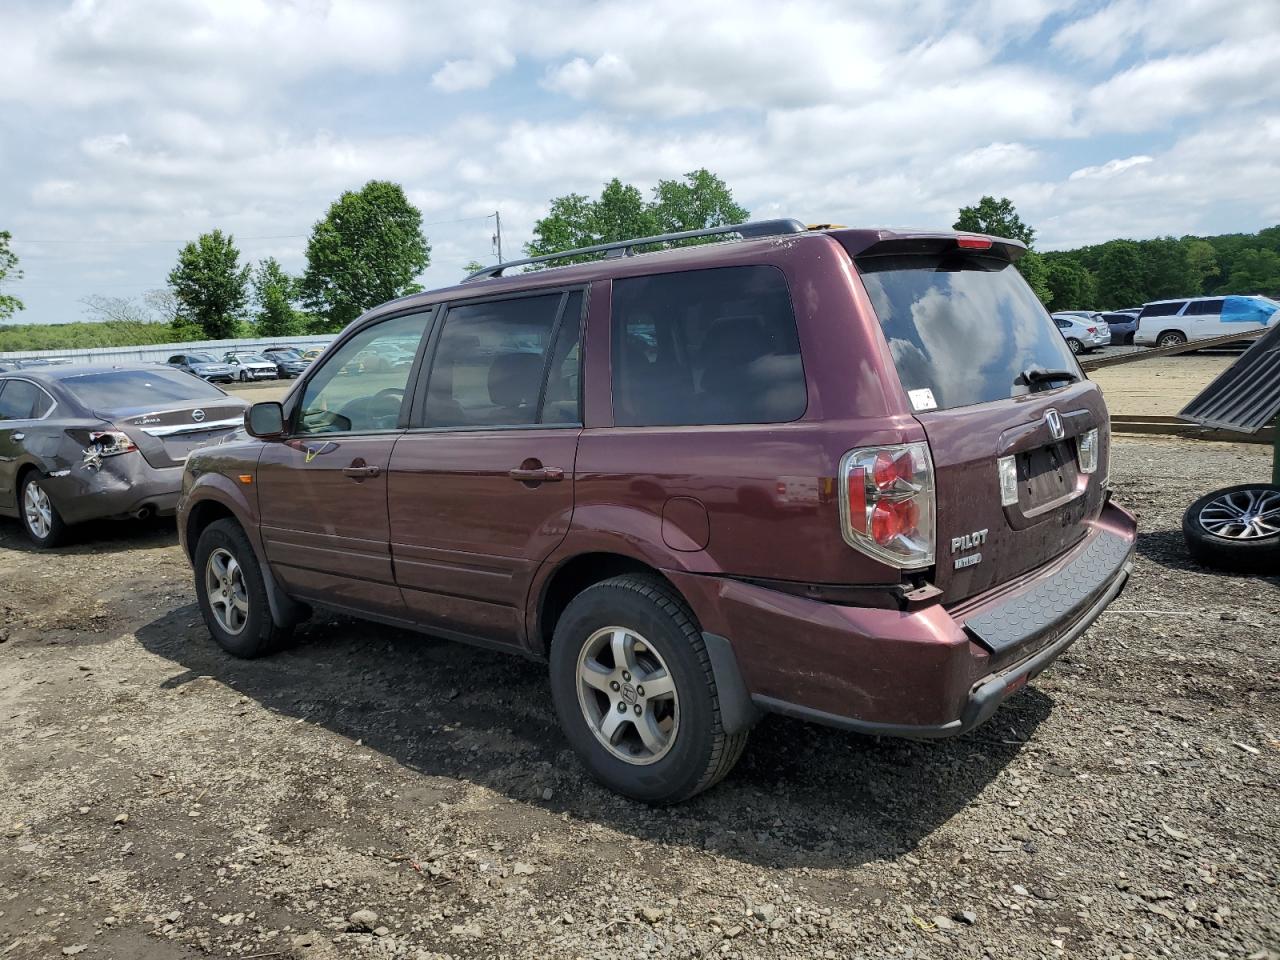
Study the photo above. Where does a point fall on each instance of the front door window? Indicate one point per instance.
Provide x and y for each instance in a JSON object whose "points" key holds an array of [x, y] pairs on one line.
{"points": [[361, 386]]}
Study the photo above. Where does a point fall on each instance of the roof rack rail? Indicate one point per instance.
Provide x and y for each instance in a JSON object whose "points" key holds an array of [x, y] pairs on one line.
{"points": [[626, 248]]}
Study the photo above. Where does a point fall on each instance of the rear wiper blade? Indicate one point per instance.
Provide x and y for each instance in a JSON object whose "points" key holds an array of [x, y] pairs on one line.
{"points": [[1033, 375]]}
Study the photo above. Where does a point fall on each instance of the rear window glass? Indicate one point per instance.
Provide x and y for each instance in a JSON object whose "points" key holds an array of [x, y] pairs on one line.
{"points": [[125, 389], [963, 328], [706, 347]]}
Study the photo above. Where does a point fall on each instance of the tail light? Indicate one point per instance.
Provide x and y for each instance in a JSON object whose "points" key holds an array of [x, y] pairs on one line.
{"points": [[1087, 451], [1093, 329], [887, 503], [110, 443]]}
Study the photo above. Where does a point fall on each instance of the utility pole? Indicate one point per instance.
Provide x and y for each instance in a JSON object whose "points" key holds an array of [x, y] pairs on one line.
{"points": [[497, 235]]}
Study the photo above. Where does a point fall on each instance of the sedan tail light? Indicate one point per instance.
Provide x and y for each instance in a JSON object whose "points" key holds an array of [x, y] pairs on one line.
{"points": [[887, 503], [110, 443]]}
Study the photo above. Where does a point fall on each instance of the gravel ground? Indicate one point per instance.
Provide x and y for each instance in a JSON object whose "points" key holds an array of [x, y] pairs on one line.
{"points": [[371, 793]]}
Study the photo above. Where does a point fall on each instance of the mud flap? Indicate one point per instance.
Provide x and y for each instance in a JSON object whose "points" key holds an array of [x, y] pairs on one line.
{"points": [[737, 711]]}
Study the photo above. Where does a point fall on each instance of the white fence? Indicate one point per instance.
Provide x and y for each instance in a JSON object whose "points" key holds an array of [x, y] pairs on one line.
{"points": [[160, 352]]}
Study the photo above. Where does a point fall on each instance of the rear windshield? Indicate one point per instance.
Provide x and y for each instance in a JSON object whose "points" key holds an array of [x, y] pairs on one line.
{"points": [[961, 329], [125, 389]]}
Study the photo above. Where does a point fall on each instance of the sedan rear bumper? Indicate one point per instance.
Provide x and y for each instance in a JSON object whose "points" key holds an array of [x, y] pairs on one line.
{"points": [[123, 486]]}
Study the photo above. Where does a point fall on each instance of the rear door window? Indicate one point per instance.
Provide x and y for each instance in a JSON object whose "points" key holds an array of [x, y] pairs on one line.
{"points": [[1204, 308], [23, 400], [710, 346], [963, 328]]}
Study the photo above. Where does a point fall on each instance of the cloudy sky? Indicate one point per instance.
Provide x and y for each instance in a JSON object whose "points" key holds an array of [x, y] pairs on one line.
{"points": [[128, 127]]}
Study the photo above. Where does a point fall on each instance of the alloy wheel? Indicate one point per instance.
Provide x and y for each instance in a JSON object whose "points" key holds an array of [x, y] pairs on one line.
{"points": [[1247, 514], [224, 585], [37, 510], [628, 695]]}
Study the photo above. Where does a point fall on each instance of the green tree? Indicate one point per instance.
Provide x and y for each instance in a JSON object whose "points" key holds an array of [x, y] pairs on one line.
{"points": [[1202, 260], [1032, 267], [9, 305], [210, 284], [995, 217], [1168, 269], [1255, 271], [274, 290], [1071, 285], [368, 249], [470, 267], [699, 200], [1121, 275], [999, 219]]}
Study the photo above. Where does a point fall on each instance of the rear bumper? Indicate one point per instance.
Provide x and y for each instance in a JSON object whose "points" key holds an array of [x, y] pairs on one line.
{"points": [[123, 486], [926, 672]]}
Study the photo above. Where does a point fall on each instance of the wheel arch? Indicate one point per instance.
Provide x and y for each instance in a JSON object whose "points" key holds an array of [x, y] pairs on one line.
{"points": [[569, 577]]}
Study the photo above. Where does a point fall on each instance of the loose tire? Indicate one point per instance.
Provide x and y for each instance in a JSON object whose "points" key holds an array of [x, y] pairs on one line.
{"points": [[41, 521], [1171, 338], [635, 692], [232, 593], [1236, 528], [1075, 345]]}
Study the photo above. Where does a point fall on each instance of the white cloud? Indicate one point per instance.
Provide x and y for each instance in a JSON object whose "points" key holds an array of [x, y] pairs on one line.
{"points": [[1109, 169]]}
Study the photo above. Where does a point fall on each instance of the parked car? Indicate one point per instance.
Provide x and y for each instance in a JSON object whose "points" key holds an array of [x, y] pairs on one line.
{"points": [[1122, 324], [1168, 323], [289, 361], [1082, 336], [310, 355], [204, 366], [84, 442], [701, 484], [251, 366]]}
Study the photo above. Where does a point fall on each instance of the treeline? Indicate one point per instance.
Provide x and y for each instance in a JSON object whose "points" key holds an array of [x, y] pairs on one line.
{"points": [[68, 336], [1128, 273]]}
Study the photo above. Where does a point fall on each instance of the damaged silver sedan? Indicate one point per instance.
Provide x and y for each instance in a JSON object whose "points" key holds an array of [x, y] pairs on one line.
{"points": [[83, 443]]}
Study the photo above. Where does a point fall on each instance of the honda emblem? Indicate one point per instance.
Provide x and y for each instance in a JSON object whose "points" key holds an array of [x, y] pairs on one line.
{"points": [[1054, 420]]}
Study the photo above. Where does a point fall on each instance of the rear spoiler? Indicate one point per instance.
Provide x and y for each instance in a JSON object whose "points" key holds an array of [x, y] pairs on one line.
{"points": [[886, 243]]}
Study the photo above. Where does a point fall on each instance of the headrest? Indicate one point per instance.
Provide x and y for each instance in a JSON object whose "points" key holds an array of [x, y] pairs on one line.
{"points": [[514, 379]]}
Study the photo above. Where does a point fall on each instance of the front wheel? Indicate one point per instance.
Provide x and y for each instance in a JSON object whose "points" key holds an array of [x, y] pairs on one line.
{"points": [[635, 693], [41, 521], [232, 593], [244, 376], [1236, 528], [1075, 345]]}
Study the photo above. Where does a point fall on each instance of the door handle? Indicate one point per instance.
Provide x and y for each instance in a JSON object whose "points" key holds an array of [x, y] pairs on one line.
{"points": [[359, 470], [536, 474]]}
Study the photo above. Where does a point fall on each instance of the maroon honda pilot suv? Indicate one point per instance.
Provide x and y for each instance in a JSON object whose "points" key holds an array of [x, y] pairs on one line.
{"points": [[852, 476]]}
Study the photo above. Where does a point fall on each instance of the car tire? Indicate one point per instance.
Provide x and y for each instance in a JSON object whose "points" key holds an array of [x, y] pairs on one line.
{"points": [[39, 516], [1171, 338], [663, 637], [244, 376], [1213, 539], [1075, 346], [1128, 339], [237, 613]]}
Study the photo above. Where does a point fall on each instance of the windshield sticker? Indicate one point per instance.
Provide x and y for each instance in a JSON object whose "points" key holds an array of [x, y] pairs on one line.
{"points": [[922, 399]]}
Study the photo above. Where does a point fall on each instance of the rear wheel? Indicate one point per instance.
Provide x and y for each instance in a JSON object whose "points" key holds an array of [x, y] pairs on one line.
{"points": [[1171, 338], [232, 593], [1236, 528], [40, 518], [1076, 346], [635, 692]]}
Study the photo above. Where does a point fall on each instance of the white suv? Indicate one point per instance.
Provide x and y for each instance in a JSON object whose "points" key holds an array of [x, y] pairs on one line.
{"points": [[1169, 323]]}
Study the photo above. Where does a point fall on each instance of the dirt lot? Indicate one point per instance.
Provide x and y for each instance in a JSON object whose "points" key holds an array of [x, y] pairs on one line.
{"points": [[160, 800]]}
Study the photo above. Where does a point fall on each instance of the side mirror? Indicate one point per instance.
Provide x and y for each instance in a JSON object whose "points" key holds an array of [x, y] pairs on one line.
{"points": [[265, 420]]}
